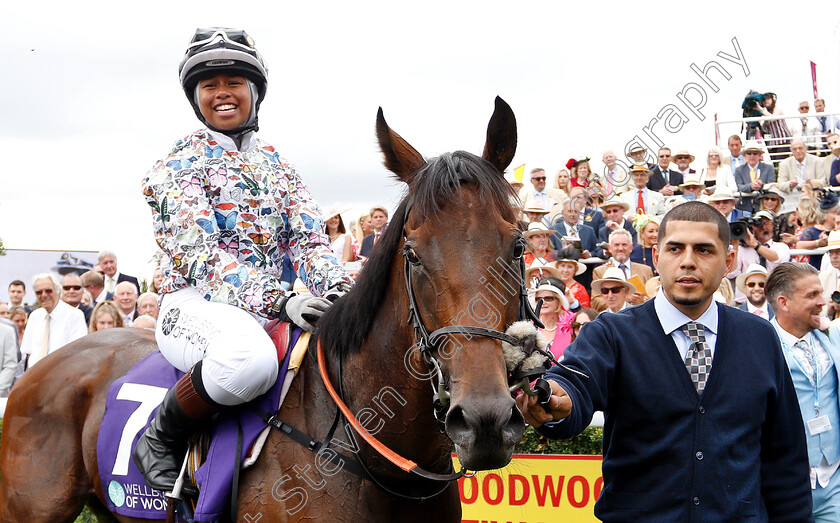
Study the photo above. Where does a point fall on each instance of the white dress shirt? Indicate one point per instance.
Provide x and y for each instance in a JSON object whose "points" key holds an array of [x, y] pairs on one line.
{"points": [[672, 320], [763, 310], [67, 324]]}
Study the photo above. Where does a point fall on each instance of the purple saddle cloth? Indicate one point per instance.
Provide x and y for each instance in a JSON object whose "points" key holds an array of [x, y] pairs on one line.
{"points": [[129, 408]]}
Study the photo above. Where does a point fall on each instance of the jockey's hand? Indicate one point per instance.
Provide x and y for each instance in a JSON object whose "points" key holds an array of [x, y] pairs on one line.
{"points": [[560, 405], [305, 309], [336, 292]]}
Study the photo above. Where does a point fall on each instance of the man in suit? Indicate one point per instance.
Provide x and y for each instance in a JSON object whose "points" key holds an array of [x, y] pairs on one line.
{"points": [[752, 283], [641, 199], [684, 159], [736, 158], [662, 178], [71, 294], [725, 203], [830, 277], [813, 358], [702, 420], [616, 179], [126, 299], [753, 175], [614, 209], [538, 194], [94, 283], [17, 291], [108, 261], [797, 169], [569, 227], [620, 247], [833, 144], [378, 220]]}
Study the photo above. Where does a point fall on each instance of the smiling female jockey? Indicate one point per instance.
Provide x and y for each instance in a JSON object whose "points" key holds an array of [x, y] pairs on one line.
{"points": [[227, 209]]}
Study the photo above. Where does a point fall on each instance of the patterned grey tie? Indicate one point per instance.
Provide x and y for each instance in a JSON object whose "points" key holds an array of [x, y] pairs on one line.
{"points": [[698, 360], [810, 357]]}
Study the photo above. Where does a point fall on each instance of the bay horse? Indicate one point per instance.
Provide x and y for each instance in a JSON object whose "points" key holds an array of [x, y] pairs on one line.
{"points": [[442, 262]]}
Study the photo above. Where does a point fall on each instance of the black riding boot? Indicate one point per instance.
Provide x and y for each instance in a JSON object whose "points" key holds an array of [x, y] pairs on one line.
{"points": [[160, 451]]}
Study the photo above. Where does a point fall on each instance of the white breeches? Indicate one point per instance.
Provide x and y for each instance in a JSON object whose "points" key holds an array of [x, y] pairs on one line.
{"points": [[239, 358]]}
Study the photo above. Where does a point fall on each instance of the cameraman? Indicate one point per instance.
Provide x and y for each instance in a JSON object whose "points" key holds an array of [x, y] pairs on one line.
{"points": [[758, 247]]}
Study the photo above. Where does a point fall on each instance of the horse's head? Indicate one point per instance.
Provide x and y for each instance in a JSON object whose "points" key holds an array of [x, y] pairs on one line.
{"points": [[460, 257]]}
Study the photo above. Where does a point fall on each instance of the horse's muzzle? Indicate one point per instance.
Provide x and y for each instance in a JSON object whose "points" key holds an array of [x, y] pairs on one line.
{"points": [[485, 431]]}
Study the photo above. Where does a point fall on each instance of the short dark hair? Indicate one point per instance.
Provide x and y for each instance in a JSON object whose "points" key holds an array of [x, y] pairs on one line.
{"points": [[697, 212], [18, 282], [783, 278]]}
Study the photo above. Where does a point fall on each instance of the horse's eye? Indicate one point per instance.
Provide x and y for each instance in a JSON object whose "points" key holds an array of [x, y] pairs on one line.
{"points": [[518, 249], [411, 256]]}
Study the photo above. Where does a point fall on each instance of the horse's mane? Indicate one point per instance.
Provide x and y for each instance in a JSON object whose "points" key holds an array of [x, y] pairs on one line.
{"points": [[345, 325]]}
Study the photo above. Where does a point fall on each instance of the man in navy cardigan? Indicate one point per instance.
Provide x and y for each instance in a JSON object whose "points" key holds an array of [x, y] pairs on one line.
{"points": [[733, 451]]}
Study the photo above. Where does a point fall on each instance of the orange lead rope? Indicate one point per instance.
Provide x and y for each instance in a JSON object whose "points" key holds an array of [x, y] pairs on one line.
{"points": [[405, 464]]}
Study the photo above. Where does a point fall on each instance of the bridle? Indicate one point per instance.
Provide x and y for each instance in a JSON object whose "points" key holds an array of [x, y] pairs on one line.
{"points": [[428, 343]]}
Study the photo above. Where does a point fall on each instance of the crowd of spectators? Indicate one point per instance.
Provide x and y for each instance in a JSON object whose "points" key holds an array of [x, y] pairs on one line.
{"points": [[67, 308]]}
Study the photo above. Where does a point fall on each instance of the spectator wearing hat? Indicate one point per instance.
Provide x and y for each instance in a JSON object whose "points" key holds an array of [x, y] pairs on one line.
{"points": [[641, 199], [538, 194], [725, 203], [539, 269], [797, 169], [813, 360], [834, 171], [569, 230], [830, 277], [662, 179], [832, 154], [534, 213], [637, 155], [751, 282], [648, 232], [816, 236], [341, 242], [615, 290], [717, 174], [684, 159], [557, 314], [692, 187], [753, 175], [579, 172], [614, 210], [568, 267], [620, 247], [539, 239]]}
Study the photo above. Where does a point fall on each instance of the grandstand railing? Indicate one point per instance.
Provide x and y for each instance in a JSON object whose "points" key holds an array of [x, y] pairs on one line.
{"points": [[815, 142]]}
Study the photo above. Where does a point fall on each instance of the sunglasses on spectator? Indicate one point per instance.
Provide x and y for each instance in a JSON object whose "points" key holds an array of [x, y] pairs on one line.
{"points": [[547, 298], [72, 287], [752, 284], [42, 291], [752, 153], [539, 178], [607, 290]]}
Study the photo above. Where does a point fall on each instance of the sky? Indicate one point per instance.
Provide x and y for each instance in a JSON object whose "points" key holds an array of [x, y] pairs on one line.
{"points": [[91, 97]]}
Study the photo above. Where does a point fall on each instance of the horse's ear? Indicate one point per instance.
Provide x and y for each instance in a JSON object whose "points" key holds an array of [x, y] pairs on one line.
{"points": [[501, 136], [400, 157]]}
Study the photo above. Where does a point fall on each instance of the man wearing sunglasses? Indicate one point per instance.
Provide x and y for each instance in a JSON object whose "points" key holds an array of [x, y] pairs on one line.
{"points": [[753, 175], [702, 421], [71, 294], [228, 211], [752, 283], [53, 325], [538, 193]]}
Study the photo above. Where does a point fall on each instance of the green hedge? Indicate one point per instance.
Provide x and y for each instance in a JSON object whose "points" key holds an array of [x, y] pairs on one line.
{"points": [[589, 442]]}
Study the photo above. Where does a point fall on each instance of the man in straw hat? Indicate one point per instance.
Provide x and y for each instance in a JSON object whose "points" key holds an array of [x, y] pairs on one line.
{"points": [[813, 360], [614, 210], [535, 213], [830, 276], [725, 203], [752, 283], [752, 175], [684, 159], [614, 290], [620, 246], [640, 198], [662, 179], [692, 187], [701, 417]]}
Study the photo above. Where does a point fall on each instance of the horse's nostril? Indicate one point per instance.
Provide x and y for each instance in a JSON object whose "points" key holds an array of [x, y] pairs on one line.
{"points": [[456, 423]]}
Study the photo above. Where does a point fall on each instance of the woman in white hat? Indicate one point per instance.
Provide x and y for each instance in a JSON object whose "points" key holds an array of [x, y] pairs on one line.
{"points": [[341, 242], [556, 314], [538, 236], [568, 267], [647, 227]]}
